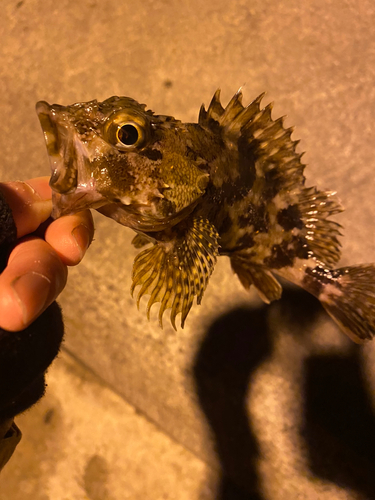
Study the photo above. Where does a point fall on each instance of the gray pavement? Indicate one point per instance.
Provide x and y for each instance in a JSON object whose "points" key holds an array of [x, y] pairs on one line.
{"points": [[272, 402]]}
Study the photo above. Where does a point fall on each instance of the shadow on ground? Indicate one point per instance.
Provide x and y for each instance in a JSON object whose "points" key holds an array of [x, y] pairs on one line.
{"points": [[339, 425], [235, 345]]}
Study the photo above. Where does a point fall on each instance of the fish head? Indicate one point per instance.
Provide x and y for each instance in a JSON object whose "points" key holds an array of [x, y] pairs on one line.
{"points": [[121, 159]]}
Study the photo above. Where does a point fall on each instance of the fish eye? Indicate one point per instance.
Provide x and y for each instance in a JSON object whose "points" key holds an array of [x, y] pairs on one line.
{"points": [[129, 135], [126, 131]]}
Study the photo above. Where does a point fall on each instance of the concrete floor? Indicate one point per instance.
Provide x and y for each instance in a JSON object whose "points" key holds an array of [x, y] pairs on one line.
{"points": [[248, 401]]}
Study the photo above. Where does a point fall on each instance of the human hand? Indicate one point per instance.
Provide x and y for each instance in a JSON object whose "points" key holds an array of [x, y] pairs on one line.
{"points": [[37, 268]]}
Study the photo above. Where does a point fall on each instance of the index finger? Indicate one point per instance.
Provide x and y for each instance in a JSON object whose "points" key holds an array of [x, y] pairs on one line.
{"points": [[30, 202]]}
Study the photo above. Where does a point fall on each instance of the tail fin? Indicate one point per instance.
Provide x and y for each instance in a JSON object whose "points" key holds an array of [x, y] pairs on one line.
{"points": [[349, 298]]}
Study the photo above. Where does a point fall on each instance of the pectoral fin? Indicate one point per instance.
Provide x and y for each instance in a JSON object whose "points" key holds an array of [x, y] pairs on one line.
{"points": [[140, 241], [176, 269]]}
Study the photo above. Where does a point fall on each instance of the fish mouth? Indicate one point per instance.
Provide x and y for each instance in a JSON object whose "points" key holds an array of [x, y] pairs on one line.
{"points": [[73, 189], [58, 137]]}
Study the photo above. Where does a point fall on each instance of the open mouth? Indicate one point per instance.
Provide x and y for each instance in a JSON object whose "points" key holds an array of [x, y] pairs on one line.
{"points": [[49, 127], [73, 189], [61, 152]]}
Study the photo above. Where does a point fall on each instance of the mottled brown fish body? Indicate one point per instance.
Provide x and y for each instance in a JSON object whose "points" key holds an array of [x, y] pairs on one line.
{"points": [[232, 184]]}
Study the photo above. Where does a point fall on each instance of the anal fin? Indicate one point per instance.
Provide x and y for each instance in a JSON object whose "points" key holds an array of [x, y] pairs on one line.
{"points": [[261, 278], [175, 270]]}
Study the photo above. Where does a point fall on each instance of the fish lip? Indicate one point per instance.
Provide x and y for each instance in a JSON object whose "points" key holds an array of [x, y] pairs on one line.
{"points": [[60, 204], [49, 127], [58, 137]]}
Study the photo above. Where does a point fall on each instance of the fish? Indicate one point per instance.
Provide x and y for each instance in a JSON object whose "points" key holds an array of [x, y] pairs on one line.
{"points": [[231, 184]]}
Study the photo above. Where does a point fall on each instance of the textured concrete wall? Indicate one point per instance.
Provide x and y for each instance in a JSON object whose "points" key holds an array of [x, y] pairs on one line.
{"points": [[235, 360]]}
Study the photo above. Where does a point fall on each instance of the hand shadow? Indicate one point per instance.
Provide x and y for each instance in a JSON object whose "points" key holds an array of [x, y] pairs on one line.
{"points": [[337, 415]]}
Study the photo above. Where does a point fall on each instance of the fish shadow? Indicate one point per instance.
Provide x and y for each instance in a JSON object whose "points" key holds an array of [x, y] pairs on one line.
{"points": [[338, 424], [235, 345]]}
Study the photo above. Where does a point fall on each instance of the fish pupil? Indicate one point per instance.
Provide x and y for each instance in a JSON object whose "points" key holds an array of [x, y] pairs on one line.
{"points": [[128, 135]]}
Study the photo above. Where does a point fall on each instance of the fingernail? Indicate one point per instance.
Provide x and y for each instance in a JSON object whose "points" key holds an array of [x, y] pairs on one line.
{"points": [[81, 236], [32, 291], [39, 188]]}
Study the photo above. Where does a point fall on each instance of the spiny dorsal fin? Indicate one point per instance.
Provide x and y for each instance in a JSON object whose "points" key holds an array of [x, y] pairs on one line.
{"points": [[268, 140], [234, 116], [175, 271], [214, 111]]}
